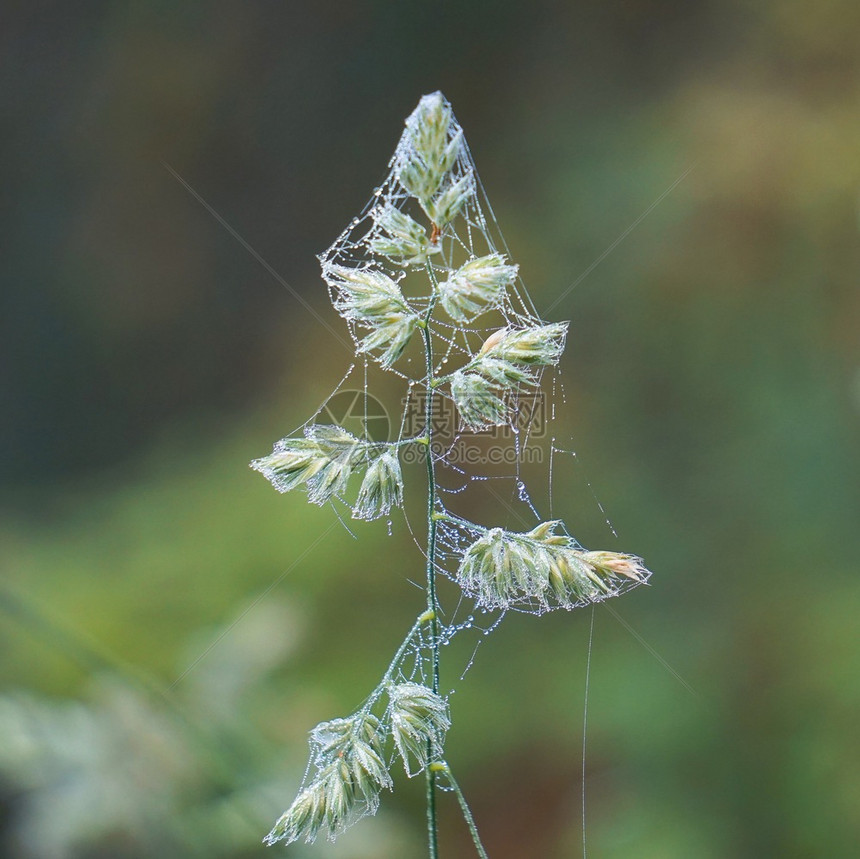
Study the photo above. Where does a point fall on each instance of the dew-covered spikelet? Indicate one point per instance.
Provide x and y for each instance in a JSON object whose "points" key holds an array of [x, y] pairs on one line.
{"points": [[509, 358], [351, 772], [443, 208], [477, 286], [382, 487], [425, 155], [419, 721], [323, 460], [326, 458], [350, 762], [503, 569], [478, 401], [533, 346], [400, 237], [371, 299]]}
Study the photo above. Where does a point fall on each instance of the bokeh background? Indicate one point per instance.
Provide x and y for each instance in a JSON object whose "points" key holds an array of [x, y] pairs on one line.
{"points": [[171, 628]]}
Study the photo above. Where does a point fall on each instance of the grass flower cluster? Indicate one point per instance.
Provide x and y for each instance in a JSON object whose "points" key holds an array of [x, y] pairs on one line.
{"points": [[476, 287], [504, 567], [508, 360], [374, 301], [352, 765], [424, 220], [325, 459]]}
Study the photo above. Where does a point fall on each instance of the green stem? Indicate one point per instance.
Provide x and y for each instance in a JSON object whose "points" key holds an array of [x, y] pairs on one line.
{"points": [[442, 766], [433, 517], [432, 828]]}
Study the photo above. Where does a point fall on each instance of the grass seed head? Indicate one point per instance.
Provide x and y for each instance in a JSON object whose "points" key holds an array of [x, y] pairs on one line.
{"points": [[382, 487], [478, 401], [427, 151], [401, 238], [419, 721], [476, 287], [371, 299]]}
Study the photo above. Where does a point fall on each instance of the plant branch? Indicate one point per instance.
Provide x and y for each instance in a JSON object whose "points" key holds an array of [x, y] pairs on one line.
{"points": [[432, 828], [442, 767], [424, 617]]}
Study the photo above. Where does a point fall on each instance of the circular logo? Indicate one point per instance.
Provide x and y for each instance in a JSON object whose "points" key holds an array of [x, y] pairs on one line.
{"points": [[359, 413]]}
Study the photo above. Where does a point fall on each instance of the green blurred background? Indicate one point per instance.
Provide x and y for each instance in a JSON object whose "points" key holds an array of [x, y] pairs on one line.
{"points": [[713, 400]]}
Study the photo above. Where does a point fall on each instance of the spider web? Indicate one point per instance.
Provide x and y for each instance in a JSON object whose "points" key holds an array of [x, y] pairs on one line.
{"points": [[469, 462], [496, 456], [456, 451], [474, 233]]}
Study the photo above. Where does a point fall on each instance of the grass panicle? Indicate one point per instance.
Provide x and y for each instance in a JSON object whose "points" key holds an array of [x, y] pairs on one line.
{"points": [[424, 219]]}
